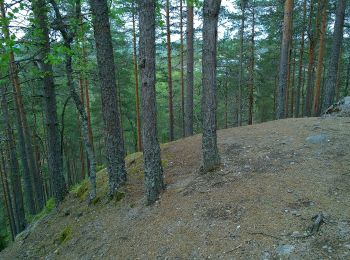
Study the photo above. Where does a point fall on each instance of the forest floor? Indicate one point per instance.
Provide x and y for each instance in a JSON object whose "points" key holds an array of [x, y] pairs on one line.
{"points": [[258, 205]]}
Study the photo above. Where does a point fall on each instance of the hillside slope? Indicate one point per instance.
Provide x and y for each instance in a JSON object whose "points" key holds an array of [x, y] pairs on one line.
{"points": [[259, 204]]}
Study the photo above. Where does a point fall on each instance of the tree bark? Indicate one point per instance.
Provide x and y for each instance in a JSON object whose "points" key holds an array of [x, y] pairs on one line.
{"points": [[346, 90], [283, 67], [88, 112], [243, 4], [105, 59], [170, 78], [189, 72], [182, 79], [252, 68], [81, 146], [316, 107], [27, 156], [136, 75], [154, 179], [55, 161], [333, 68], [288, 83], [226, 103], [300, 69], [293, 89], [210, 153], [16, 186], [7, 196], [310, 68]]}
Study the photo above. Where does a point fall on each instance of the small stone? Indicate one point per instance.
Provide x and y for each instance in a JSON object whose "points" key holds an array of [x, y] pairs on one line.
{"points": [[285, 249], [265, 255], [290, 191], [317, 139], [295, 213], [295, 234]]}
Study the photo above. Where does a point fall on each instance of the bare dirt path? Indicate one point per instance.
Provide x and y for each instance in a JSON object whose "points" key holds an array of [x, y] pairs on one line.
{"points": [[258, 205]]}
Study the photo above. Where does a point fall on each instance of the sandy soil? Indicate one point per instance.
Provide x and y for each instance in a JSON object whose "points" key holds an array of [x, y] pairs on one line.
{"points": [[258, 205]]}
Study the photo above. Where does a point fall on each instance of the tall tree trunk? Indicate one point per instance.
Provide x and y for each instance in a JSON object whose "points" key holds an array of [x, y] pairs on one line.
{"points": [[27, 155], [81, 146], [55, 161], [338, 80], [333, 67], [283, 67], [106, 68], [316, 107], [243, 4], [7, 196], [226, 102], [154, 179], [293, 89], [79, 102], [288, 82], [85, 78], [310, 69], [347, 81], [16, 186], [189, 72], [182, 79], [275, 96], [303, 95], [88, 112], [170, 78], [301, 58], [252, 68], [210, 153], [136, 75]]}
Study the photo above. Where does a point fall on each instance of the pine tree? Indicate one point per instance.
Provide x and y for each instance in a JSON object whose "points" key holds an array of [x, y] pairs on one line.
{"points": [[283, 67], [154, 179], [210, 153], [106, 68], [333, 68]]}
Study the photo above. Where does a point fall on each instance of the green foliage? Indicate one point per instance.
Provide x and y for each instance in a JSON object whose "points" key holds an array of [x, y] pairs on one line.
{"points": [[58, 53], [50, 205], [65, 235], [100, 167], [80, 190], [119, 196]]}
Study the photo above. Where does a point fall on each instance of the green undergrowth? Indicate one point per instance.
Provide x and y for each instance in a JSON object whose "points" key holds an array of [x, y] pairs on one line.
{"points": [[50, 205], [65, 235], [80, 190], [134, 164]]}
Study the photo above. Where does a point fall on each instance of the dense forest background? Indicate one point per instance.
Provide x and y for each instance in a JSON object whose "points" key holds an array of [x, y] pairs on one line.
{"points": [[248, 59]]}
